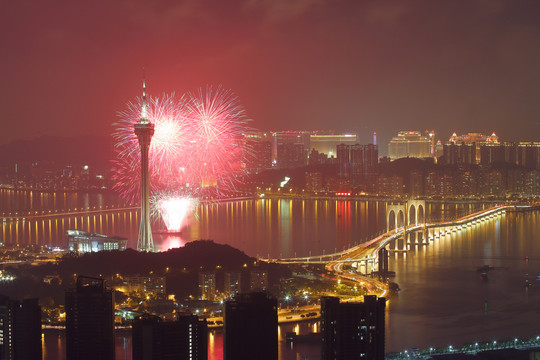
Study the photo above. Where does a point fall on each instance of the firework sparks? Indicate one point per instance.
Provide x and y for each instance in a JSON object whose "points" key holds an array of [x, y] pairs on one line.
{"points": [[174, 211], [197, 150]]}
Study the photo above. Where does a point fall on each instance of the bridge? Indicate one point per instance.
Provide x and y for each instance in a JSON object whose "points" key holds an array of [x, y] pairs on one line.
{"points": [[42, 214], [364, 257], [470, 349]]}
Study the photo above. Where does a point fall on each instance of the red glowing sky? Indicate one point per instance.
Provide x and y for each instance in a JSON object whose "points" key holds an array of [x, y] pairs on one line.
{"points": [[67, 67]]}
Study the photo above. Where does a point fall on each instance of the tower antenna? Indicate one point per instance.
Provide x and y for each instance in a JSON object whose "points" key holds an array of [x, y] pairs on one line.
{"points": [[144, 111]]}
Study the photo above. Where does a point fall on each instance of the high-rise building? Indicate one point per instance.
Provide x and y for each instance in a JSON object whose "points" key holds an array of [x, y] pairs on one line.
{"points": [[259, 154], [207, 285], [317, 158], [439, 183], [357, 162], [328, 143], [459, 153], [352, 331], [232, 282], [314, 181], [291, 155], [370, 160], [416, 183], [20, 329], [529, 155], [389, 185], [431, 136], [258, 280], [150, 285], [89, 321], [185, 338], [144, 130], [251, 327], [344, 160], [409, 144], [475, 139], [289, 137]]}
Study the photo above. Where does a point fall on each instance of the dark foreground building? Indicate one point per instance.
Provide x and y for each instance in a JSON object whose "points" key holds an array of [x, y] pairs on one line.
{"points": [[20, 329], [352, 331], [89, 321], [251, 327], [155, 339]]}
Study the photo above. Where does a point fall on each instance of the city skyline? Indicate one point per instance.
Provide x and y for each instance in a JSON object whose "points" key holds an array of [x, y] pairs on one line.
{"points": [[292, 168], [462, 67]]}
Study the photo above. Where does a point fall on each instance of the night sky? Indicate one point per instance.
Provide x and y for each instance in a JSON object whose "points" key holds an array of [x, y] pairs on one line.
{"points": [[67, 67]]}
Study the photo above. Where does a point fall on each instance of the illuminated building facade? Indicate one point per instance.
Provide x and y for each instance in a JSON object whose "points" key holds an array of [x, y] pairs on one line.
{"points": [[459, 153], [290, 155], [314, 182], [529, 155], [232, 282], [207, 285], [431, 135], [259, 157], [328, 143], [476, 139], [357, 162], [151, 285], [185, 338], [352, 331], [251, 327], [82, 241], [498, 153], [389, 185], [258, 280], [89, 321], [280, 138], [416, 181], [20, 329], [144, 130], [409, 144], [439, 183]]}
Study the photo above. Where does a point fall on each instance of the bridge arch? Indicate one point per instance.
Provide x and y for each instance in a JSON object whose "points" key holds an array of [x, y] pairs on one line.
{"points": [[392, 215], [412, 215], [392, 220], [400, 219], [421, 214], [416, 211]]}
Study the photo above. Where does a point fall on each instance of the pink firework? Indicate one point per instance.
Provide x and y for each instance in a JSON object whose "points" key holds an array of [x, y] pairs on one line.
{"points": [[197, 148], [168, 145], [174, 211], [218, 122]]}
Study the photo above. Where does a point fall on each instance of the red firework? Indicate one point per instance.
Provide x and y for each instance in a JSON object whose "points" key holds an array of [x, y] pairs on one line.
{"points": [[196, 149]]}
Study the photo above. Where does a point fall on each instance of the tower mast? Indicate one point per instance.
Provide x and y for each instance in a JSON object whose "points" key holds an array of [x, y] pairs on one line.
{"points": [[144, 130]]}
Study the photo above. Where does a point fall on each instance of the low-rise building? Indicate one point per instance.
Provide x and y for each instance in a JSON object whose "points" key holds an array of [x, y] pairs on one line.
{"points": [[82, 241]]}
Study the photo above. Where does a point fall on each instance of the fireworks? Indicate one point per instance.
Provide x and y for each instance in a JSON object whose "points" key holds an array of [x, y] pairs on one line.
{"points": [[197, 150], [173, 210]]}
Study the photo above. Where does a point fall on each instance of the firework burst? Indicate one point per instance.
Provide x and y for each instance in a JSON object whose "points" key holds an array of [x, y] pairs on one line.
{"points": [[197, 149]]}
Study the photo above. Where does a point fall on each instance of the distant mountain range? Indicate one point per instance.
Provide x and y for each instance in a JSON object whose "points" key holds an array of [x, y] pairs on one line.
{"points": [[85, 149]]}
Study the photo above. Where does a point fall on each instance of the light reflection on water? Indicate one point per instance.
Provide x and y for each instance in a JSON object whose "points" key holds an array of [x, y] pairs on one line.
{"points": [[443, 299], [260, 227]]}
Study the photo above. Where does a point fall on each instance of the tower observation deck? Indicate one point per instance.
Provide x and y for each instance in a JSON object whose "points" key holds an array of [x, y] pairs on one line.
{"points": [[144, 130]]}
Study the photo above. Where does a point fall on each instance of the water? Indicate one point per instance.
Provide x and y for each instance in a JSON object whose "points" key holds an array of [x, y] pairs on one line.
{"points": [[260, 227], [443, 299]]}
